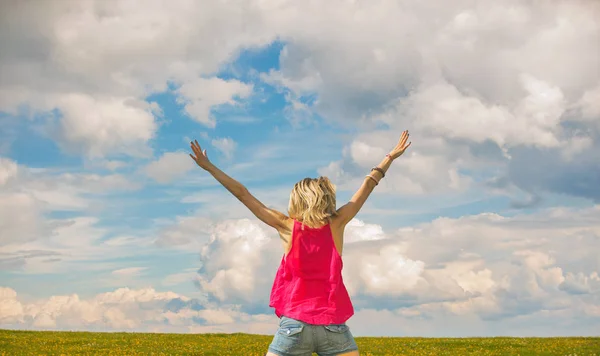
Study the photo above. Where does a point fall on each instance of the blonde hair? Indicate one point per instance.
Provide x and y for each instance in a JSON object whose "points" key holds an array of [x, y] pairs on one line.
{"points": [[312, 201]]}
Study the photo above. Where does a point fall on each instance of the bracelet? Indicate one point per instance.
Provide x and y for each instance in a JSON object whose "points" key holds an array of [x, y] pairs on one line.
{"points": [[378, 170], [373, 178]]}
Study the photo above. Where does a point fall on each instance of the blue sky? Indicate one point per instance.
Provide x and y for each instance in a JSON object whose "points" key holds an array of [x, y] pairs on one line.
{"points": [[489, 221]]}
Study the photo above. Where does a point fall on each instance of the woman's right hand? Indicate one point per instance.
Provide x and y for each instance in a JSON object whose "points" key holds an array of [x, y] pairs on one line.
{"points": [[401, 146]]}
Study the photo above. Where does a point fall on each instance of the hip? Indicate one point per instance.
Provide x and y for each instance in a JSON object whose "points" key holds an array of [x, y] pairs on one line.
{"points": [[295, 335]]}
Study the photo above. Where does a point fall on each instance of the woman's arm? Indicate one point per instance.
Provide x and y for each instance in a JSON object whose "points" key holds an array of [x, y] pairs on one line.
{"points": [[269, 216], [349, 211]]}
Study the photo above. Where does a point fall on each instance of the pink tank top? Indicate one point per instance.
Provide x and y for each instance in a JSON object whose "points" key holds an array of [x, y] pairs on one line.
{"points": [[308, 285]]}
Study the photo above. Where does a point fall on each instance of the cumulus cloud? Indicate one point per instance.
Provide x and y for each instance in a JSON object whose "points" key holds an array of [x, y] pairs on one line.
{"points": [[515, 262], [8, 170], [225, 145], [21, 219], [236, 261], [358, 230], [456, 74], [588, 104], [200, 95], [458, 77], [97, 73], [189, 232], [169, 166], [486, 269], [470, 46], [498, 97], [441, 109], [127, 310], [423, 169], [487, 266], [98, 127]]}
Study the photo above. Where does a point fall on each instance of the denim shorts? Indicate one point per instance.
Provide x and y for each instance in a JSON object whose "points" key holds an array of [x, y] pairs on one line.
{"points": [[297, 338]]}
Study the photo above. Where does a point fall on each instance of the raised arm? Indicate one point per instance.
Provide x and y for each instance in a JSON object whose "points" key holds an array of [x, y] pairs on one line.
{"points": [[349, 211], [269, 216]]}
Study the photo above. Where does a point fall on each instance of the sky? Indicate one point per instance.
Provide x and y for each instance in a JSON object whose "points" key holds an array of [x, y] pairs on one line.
{"points": [[489, 224]]}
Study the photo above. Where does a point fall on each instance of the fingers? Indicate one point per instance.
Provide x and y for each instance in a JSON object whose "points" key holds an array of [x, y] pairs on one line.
{"points": [[198, 152], [403, 138], [196, 147]]}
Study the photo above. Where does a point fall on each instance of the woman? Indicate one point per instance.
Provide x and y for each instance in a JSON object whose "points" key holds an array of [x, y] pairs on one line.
{"points": [[308, 293]]}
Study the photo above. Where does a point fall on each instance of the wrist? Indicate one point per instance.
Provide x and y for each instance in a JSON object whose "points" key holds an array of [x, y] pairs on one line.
{"points": [[389, 157], [210, 168]]}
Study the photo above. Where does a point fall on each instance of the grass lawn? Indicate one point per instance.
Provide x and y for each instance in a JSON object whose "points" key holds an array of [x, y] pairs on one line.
{"points": [[85, 343]]}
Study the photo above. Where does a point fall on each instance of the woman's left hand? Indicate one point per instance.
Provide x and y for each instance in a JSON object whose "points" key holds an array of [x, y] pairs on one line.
{"points": [[200, 157]]}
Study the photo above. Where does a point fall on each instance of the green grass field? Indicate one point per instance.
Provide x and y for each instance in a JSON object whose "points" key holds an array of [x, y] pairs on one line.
{"points": [[84, 343]]}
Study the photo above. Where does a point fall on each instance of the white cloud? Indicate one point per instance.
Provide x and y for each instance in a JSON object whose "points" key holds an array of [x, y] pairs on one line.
{"points": [[366, 155], [575, 146], [127, 240], [103, 48], [189, 232], [200, 95], [55, 190], [472, 77], [97, 62], [443, 110], [33, 242], [11, 311], [147, 295], [187, 276], [111, 165], [388, 273], [97, 127], [335, 172], [486, 269], [225, 145], [589, 105], [218, 204], [474, 84], [8, 170], [234, 260], [73, 243], [127, 310], [129, 271], [424, 169], [169, 166], [358, 230], [580, 283], [21, 219], [459, 74], [468, 45], [99, 184]]}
